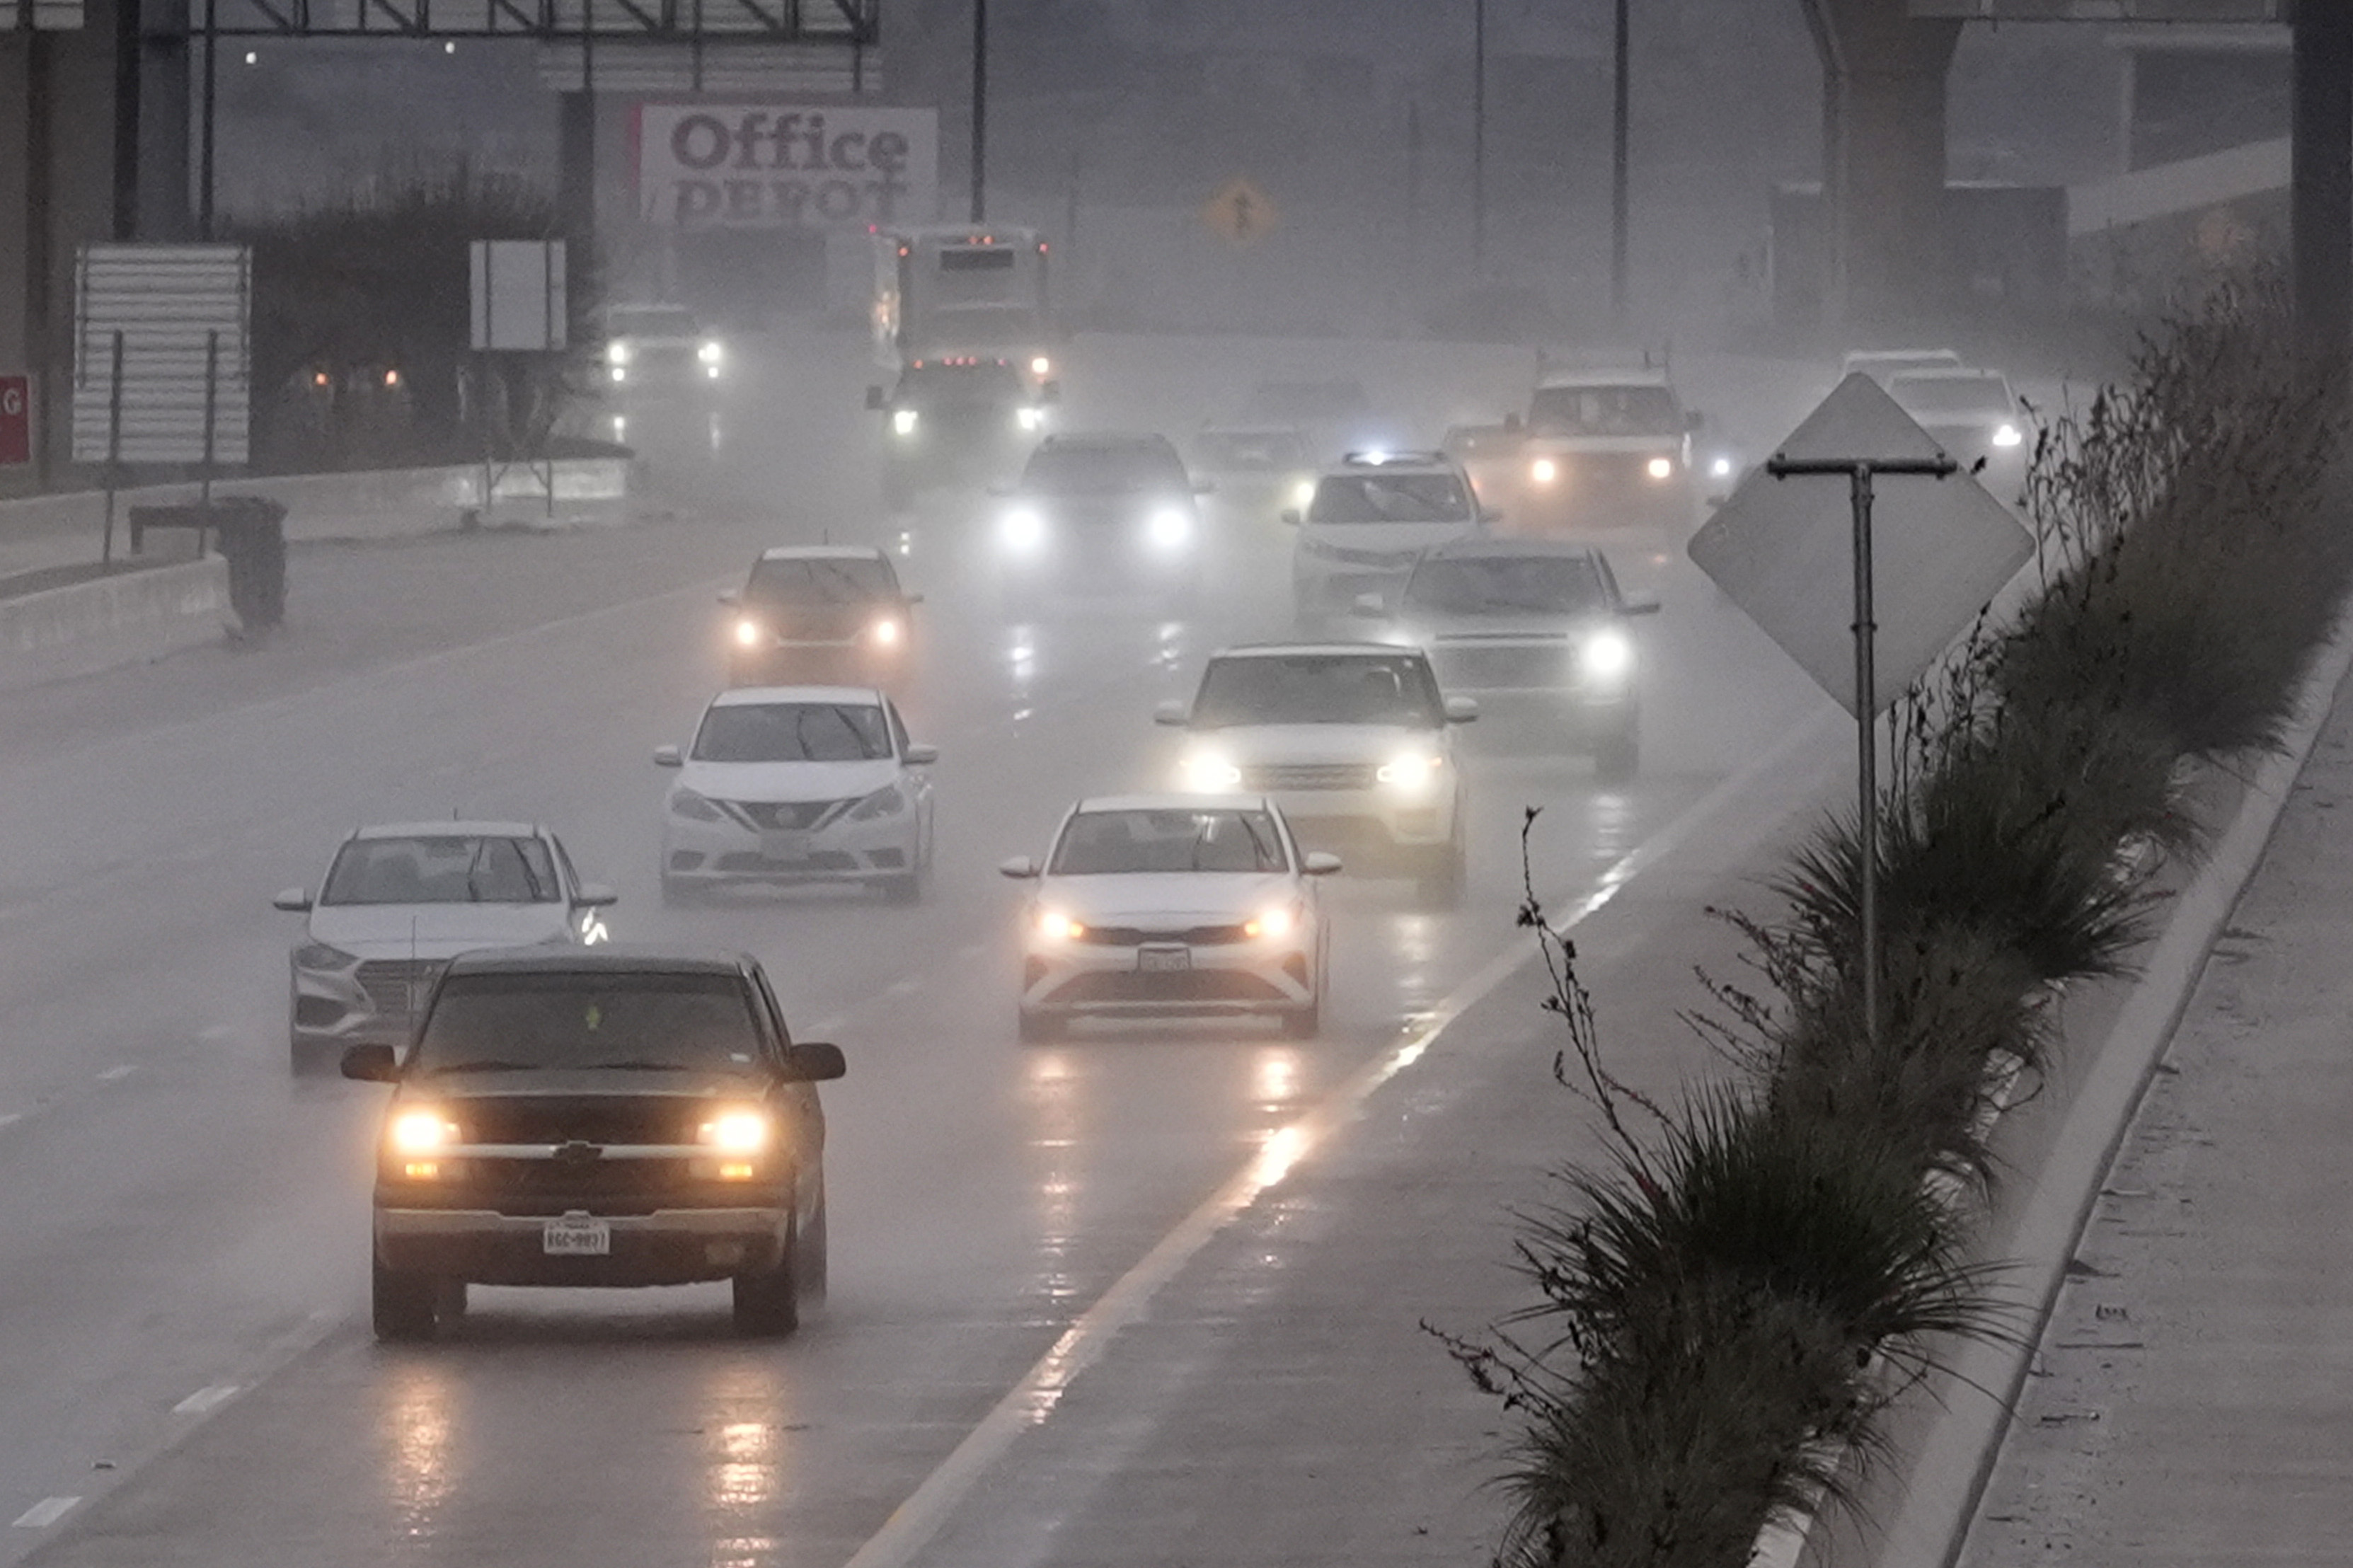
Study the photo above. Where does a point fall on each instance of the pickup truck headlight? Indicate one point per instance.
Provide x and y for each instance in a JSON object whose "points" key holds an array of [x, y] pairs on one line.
{"points": [[1544, 470], [319, 955], [1661, 468], [421, 1130], [694, 807], [741, 1130]]}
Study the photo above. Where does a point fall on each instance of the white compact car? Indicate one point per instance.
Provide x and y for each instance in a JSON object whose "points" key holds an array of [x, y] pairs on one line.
{"points": [[1351, 740], [1183, 905], [400, 900], [1370, 518], [788, 784]]}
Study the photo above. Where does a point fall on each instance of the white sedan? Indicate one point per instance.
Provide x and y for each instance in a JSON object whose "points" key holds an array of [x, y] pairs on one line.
{"points": [[798, 784], [1173, 906]]}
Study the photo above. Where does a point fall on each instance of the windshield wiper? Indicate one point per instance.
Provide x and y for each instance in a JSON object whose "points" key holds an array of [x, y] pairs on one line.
{"points": [[638, 1067], [456, 1067]]}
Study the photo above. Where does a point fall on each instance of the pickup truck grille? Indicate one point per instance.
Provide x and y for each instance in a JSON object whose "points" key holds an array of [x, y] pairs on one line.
{"points": [[1309, 775], [1478, 666]]}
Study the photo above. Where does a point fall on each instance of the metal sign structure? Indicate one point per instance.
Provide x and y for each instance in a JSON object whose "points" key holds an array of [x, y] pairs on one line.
{"points": [[518, 295], [2205, 11], [16, 419], [1774, 549], [41, 16], [162, 362], [1240, 212], [841, 22]]}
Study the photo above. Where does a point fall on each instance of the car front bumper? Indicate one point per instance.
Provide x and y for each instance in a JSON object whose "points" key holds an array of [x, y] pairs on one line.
{"points": [[1379, 815], [843, 851], [1106, 980], [666, 1246]]}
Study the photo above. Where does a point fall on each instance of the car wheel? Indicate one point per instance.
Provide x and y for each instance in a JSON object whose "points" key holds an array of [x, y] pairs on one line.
{"points": [[1618, 757], [810, 1270], [449, 1301], [402, 1305], [1041, 1028], [768, 1304]]}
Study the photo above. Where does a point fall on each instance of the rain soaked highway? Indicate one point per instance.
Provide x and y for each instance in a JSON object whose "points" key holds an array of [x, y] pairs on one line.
{"points": [[189, 1377]]}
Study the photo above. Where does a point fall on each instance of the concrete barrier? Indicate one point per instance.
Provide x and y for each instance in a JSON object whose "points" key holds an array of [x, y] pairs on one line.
{"points": [[127, 618]]}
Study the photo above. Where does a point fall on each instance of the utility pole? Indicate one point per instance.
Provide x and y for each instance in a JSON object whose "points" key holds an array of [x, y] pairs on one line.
{"points": [[205, 131], [1478, 133], [2321, 177], [1619, 121], [980, 111]]}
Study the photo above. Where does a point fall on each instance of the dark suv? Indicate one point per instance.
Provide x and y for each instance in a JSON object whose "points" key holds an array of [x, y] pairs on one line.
{"points": [[600, 1116], [1102, 509], [821, 615]]}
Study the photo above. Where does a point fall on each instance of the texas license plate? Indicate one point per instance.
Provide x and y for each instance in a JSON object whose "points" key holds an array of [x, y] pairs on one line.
{"points": [[1163, 960], [575, 1237], [783, 846]]}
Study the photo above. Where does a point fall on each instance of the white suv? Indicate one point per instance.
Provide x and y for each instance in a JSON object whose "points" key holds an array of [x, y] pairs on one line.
{"points": [[1371, 517], [1350, 740]]}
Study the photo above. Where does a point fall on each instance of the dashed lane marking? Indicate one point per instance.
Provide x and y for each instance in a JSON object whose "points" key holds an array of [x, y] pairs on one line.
{"points": [[205, 1399], [117, 1072], [46, 1512]]}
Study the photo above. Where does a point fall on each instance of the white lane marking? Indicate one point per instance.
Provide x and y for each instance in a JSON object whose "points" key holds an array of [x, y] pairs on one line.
{"points": [[905, 985], [117, 1073], [972, 950], [46, 1512], [829, 1024], [7, 1117], [207, 1398], [217, 1032], [1031, 1401]]}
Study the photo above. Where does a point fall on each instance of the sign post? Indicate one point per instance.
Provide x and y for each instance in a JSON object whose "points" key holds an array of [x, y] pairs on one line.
{"points": [[1774, 549], [518, 307], [16, 419]]}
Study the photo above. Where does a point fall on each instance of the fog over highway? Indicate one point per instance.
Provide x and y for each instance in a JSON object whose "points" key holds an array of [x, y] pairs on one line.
{"points": [[183, 1236]]}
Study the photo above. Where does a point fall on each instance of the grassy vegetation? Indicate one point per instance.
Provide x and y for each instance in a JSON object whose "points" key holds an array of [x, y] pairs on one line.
{"points": [[1727, 1304]]}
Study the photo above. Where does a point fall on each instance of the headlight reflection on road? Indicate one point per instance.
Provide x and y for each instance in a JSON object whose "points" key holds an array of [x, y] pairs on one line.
{"points": [[418, 1430], [1054, 1099]]}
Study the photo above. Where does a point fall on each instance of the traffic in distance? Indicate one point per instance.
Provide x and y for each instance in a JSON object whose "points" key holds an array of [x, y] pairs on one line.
{"points": [[568, 1112]]}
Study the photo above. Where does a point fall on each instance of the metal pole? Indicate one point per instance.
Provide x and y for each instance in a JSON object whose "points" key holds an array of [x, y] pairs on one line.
{"points": [[2321, 177], [1479, 132], [205, 132], [128, 42], [1618, 168], [980, 111], [1866, 731], [212, 412], [113, 447]]}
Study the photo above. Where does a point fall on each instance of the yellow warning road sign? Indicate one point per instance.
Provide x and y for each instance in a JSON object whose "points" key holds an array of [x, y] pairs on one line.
{"points": [[1240, 211]]}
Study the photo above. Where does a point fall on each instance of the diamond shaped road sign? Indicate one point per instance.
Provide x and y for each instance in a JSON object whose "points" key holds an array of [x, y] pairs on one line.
{"points": [[1783, 549]]}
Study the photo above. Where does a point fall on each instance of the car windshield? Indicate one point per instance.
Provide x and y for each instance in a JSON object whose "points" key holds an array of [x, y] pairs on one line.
{"points": [[1505, 585], [793, 732], [1971, 395], [1391, 497], [438, 868], [1121, 843], [1103, 470], [1242, 450], [939, 385], [1605, 411], [636, 1023], [651, 322], [1319, 689], [848, 580], [1277, 402]]}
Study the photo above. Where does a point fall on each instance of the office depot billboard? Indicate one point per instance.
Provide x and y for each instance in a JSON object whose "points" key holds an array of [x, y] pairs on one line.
{"points": [[704, 165]]}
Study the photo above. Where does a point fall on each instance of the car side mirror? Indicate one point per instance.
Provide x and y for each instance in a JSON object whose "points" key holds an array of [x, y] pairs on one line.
{"points": [[922, 756], [1172, 714], [370, 1064], [1320, 863], [1462, 710], [1021, 868], [1370, 607], [293, 900], [812, 1061], [669, 757], [1640, 607], [875, 400], [1291, 516], [593, 895], [732, 597], [1050, 392]]}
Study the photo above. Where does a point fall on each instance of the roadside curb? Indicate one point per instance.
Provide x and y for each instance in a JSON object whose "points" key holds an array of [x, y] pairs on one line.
{"points": [[1948, 1479]]}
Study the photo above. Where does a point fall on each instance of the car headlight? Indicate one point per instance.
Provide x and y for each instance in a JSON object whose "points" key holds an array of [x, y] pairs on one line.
{"points": [[886, 632], [1169, 529], [1607, 656], [1022, 529], [1720, 469], [888, 801], [904, 421], [1211, 773], [1271, 924], [711, 353], [686, 803], [1053, 925], [1042, 365], [1661, 468], [2007, 435], [1544, 470], [1411, 773], [748, 633], [422, 1130], [1027, 418], [739, 1130], [319, 955], [617, 353], [1302, 494], [620, 375]]}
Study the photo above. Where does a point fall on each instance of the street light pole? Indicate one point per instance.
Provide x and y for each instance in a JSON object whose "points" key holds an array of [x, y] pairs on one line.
{"points": [[1479, 132], [2321, 179], [1618, 169], [980, 111]]}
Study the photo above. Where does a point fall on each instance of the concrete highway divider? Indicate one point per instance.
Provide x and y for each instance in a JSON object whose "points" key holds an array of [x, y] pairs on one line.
{"points": [[126, 618]]}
